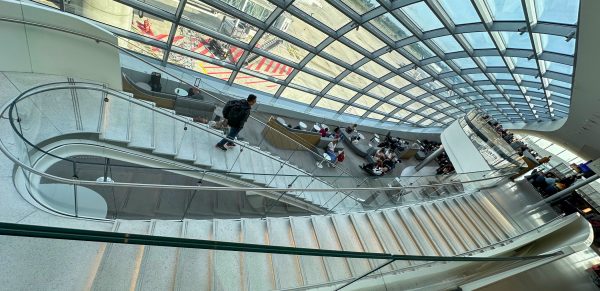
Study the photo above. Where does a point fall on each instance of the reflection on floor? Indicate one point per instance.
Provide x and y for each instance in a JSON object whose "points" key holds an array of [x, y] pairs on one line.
{"points": [[144, 203], [565, 274]]}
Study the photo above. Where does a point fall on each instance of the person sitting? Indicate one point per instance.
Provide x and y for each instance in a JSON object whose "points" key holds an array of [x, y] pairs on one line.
{"points": [[340, 157], [330, 151], [337, 133], [323, 131], [351, 129], [193, 91]]}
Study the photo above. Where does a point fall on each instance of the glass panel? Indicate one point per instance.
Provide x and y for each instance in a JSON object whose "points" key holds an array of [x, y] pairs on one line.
{"points": [[297, 95], [516, 40], [356, 80], [426, 122], [301, 30], [380, 91], [447, 44], [343, 52], [415, 118], [419, 50], [366, 101], [492, 61], [281, 48], [139, 47], [415, 106], [256, 83], [401, 114], [416, 91], [395, 59], [557, 44], [387, 108], [199, 66], [205, 45], [257, 9], [558, 67], [309, 81], [465, 63], [324, 66], [460, 11], [524, 63], [422, 16], [374, 69], [397, 82], [329, 104], [361, 6], [400, 99], [220, 22], [323, 12], [375, 116], [265, 66], [417, 74], [558, 11], [342, 92], [49, 3], [439, 67], [390, 26], [479, 40], [123, 17], [505, 9], [364, 39], [502, 76], [355, 111], [477, 77]]}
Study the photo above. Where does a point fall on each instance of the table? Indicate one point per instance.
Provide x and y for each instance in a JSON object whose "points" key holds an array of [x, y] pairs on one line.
{"points": [[281, 120], [144, 86], [316, 127], [324, 126], [302, 125], [325, 159], [181, 92], [361, 136]]}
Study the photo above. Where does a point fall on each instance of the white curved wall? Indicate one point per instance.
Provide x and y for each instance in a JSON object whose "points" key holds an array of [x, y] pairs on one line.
{"points": [[27, 48]]}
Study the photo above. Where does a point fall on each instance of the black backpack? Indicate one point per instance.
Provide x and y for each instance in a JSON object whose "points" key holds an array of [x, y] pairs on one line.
{"points": [[234, 111]]}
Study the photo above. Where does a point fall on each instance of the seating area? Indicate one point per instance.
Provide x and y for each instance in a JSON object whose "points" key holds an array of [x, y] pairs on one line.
{"points": [[194, 106]]}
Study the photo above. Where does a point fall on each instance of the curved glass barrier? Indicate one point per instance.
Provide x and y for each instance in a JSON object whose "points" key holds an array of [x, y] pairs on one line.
{"points": [[84, 139]]}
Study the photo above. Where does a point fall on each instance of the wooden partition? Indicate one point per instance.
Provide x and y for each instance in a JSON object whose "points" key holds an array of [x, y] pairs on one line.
{"points": [[164, 102], [283, 137]]}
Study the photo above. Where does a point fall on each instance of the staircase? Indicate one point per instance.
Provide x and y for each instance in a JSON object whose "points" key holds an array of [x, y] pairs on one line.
{"points": [[163, 133], [446, 227]]}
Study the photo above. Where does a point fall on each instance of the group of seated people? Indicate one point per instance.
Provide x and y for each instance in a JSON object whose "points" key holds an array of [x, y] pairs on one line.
{"points": [[336, 134], [429, 146], [445, 165], [384, 161], [393, 143], [548, 183]]}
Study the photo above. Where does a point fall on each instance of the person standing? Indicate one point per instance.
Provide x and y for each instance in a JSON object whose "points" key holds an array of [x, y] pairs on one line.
{"points": [[236, 112]]}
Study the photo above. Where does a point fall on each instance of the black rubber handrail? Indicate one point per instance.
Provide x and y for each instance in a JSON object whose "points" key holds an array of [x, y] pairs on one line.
{"points": [[25, 230]]}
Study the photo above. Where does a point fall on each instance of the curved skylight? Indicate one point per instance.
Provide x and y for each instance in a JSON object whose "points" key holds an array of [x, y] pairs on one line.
{"points": [[419, 63]]}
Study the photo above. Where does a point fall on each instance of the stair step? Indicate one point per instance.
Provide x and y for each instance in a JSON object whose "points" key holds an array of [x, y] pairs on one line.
{"points": [[258, 266], [386, 236], [204, 147], [368, 237], [164, 132], [141, 127], [449, 232], [194, 266], [228, 266], [338, 268], [90, 105], [350, 241], [159, 264], [280, 234], [313, 267], [425, 244], [115, 120], [432, 232], [118, 269], [186, 143]]}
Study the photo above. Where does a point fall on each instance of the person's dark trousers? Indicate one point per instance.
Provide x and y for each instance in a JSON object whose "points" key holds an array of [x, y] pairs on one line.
{"points": [[233, 132]]}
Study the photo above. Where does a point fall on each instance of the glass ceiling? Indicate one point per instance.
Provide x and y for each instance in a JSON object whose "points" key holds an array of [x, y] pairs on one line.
{"points": [[418, 63]]}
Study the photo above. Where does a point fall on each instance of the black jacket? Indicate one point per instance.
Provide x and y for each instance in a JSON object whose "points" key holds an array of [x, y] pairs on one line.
{"points": [[236, 112]]}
